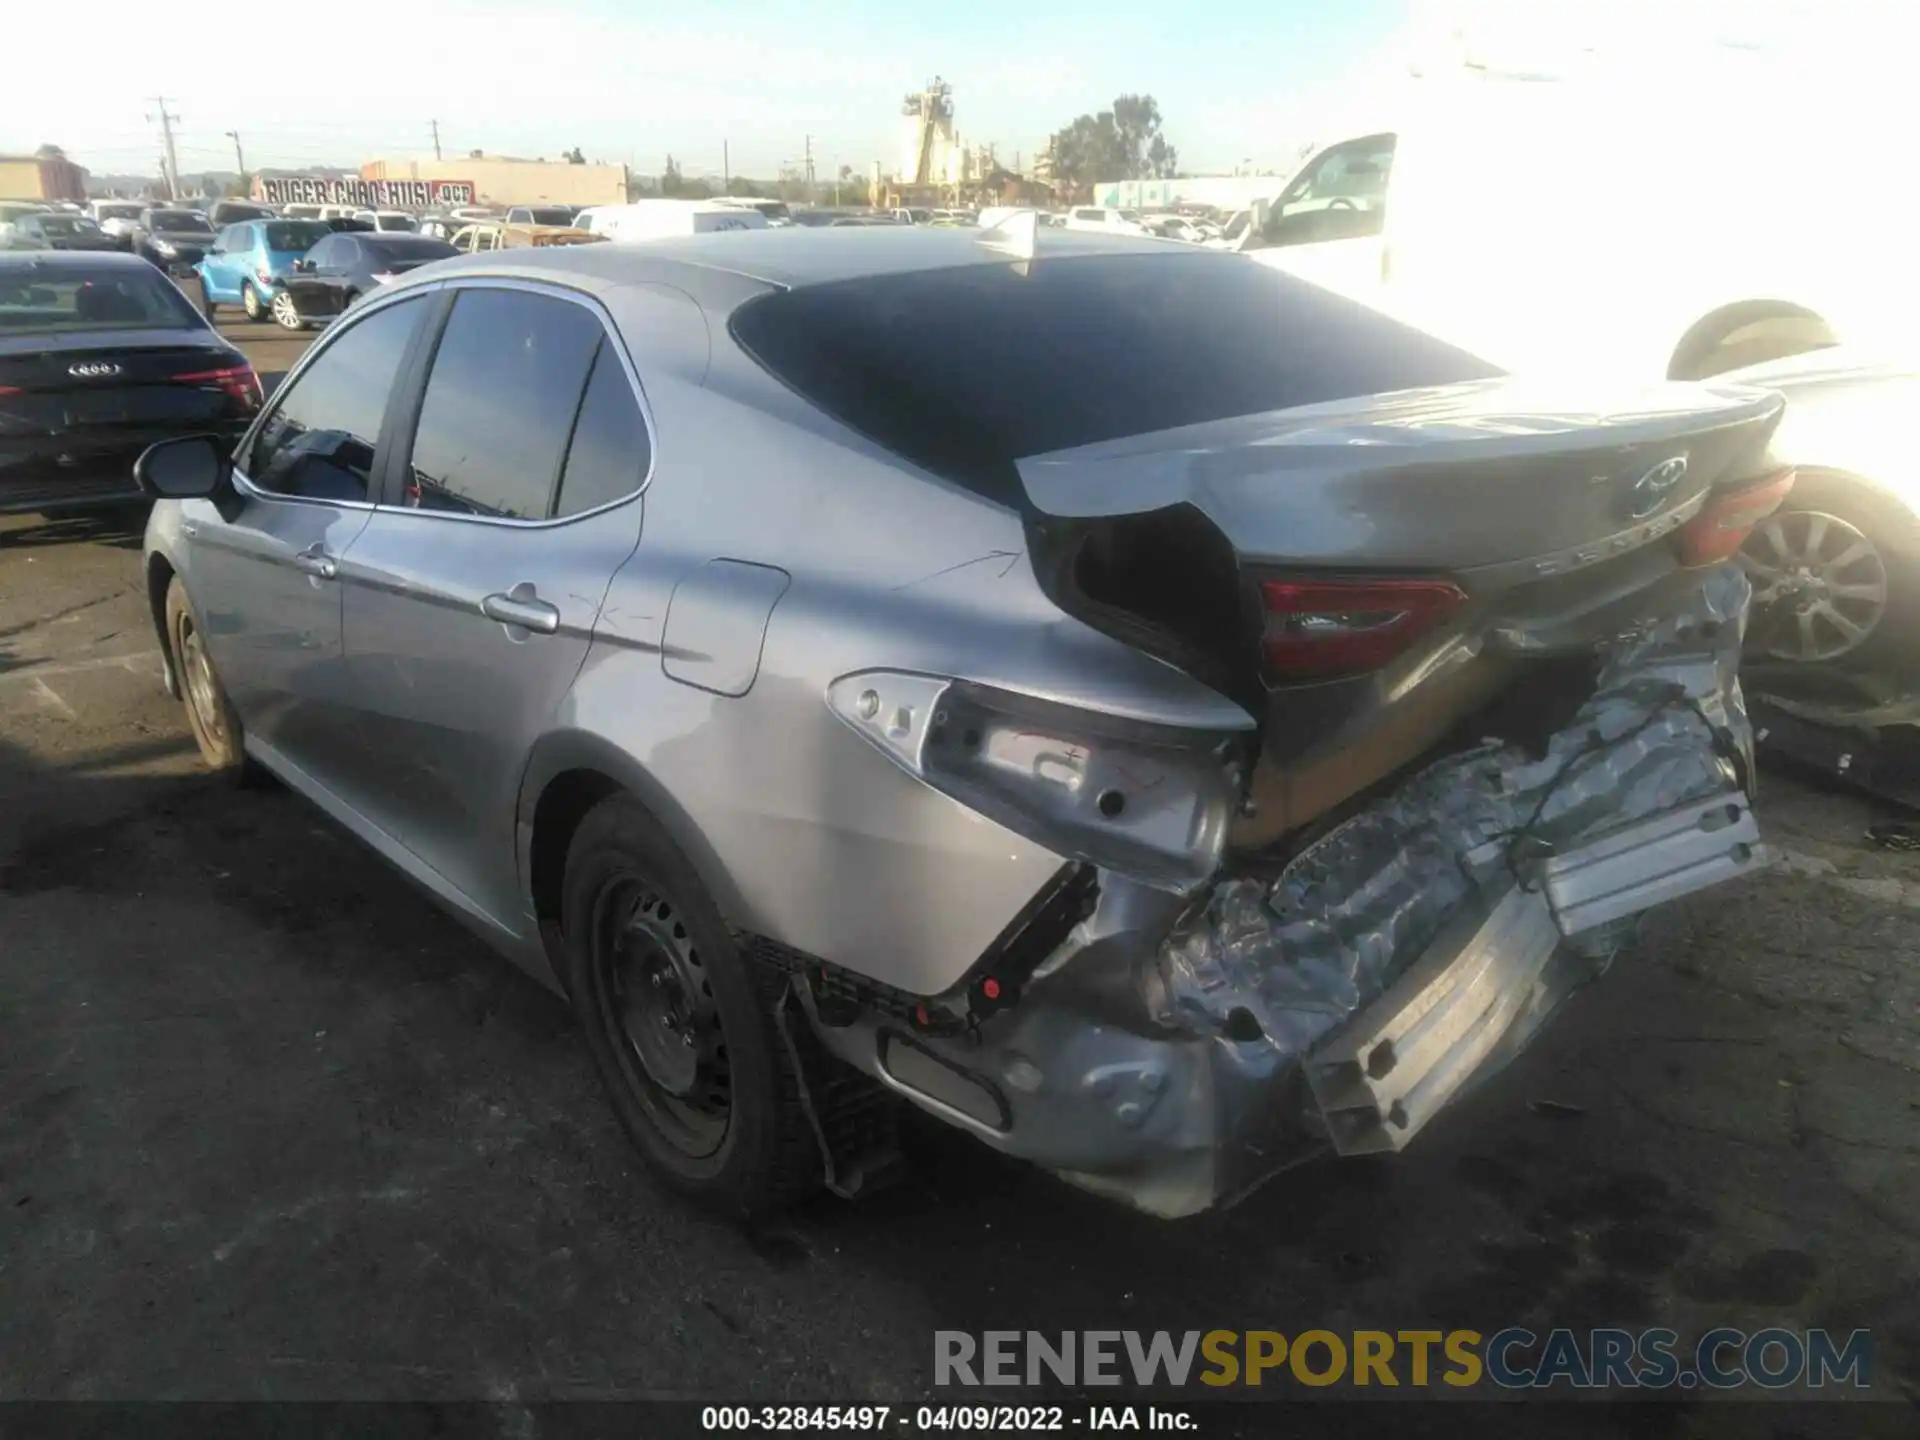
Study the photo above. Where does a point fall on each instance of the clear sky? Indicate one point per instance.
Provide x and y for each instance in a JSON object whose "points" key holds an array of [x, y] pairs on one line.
{"points": [[341, 81]]}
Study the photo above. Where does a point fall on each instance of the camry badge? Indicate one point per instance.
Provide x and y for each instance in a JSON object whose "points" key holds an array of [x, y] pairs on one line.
{"points": [[1650, 491]]}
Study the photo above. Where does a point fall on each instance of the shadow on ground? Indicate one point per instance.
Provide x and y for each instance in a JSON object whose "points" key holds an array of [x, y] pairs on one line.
{"points": [[275, 1128]]}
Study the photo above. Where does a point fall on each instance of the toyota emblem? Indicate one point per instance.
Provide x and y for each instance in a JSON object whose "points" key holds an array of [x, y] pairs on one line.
{"points": [[1650, 491], [94, 370]]}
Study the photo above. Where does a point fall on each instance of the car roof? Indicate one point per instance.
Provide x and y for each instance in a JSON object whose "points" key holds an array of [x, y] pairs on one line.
{"points": [[791, 258], [59, 260]]}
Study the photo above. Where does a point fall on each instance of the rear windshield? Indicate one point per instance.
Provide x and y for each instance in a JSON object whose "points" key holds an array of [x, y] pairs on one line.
{"points": [[296, 234], [180, 220], [123, 298], [1077, 351], [549, 215], [67, 225], [118, 212], [408, 250]]}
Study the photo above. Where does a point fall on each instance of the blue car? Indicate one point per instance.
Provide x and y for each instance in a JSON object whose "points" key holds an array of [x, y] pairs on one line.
{"points": [[248, 262]]}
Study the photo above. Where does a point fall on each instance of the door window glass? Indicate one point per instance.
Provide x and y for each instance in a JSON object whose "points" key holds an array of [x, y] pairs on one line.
{"points": [[334, 250], [500, 401], [608, 456], [1343, 196], [319, 440]]}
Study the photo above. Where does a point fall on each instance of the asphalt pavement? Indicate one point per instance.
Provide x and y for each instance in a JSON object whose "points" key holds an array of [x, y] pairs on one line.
{"points": [[273, 1127]]}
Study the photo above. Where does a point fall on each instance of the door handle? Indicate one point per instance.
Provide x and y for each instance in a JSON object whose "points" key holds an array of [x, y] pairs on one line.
{"points": [[316, 561], [524, 610]]}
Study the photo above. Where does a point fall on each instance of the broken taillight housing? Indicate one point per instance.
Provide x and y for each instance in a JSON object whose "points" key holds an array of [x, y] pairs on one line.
{"points": [[239, 381], [1722, 526], [1147, 800], [1324, 629]]}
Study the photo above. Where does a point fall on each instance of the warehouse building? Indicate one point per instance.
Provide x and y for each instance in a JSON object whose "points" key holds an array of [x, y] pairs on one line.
{"points": [[41, 177]]}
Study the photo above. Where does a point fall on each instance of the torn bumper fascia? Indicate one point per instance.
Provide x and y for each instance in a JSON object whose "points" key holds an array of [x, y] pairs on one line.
{"points": [[1176, 1054]]}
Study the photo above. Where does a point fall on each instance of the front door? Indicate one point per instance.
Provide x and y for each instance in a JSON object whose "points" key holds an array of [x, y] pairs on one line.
{"points": [[1327, 225], [265, 563], [472, 594]]}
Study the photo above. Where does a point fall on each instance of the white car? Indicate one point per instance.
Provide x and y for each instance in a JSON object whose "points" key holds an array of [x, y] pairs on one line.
{"points": [[12, 210], [663, 219], [394, 221], [119, 218], [1113, 222], [1553, 228]]}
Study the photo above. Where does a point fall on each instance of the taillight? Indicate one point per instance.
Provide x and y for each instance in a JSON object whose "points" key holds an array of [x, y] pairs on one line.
{"points": [[1321, 629], [1719, 530], [239, 381]]}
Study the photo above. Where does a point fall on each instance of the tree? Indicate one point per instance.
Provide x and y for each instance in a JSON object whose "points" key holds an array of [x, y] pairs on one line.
{"points": [[670, 182], [575, 157], [1124, 143], [49, 152]]}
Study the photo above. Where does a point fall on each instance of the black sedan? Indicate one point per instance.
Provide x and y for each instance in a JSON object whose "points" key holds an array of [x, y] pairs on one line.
{"points": [[100, 356], [342, 268], [175, 240], [54, 231]]}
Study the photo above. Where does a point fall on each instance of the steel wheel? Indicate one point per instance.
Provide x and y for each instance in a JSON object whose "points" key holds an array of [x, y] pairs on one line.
{"points": [[1819, 586], [202, 690], [286, 312], [656, 1002]]}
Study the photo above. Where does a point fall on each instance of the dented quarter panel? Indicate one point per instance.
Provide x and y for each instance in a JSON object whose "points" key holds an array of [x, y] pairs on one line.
{"points": [[830, 848]]}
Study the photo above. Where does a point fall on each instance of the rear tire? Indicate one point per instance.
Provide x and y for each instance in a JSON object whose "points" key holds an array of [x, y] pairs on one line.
{"points": [[210, 715], [250, 302], [679, 1022]]}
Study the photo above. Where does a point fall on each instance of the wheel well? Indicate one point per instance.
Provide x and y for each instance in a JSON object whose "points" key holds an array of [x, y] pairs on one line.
{"points": [[1796, 328], [159, 577], [558, 813]]}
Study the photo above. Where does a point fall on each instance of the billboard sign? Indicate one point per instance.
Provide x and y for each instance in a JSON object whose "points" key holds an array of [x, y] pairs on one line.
{"points": [[368, 194]]}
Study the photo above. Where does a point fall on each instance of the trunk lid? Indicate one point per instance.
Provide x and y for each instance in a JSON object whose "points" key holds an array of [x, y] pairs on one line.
{"points": [[1448, 479]]}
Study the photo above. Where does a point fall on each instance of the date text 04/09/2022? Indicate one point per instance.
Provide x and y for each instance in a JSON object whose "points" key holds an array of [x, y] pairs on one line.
{"points": [[929, 1419]]}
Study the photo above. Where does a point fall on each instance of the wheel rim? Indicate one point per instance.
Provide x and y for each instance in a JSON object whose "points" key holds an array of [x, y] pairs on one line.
{"points": [[284, 312], [202, 691], [1819, 586], [656, 1006], [251, 300]]}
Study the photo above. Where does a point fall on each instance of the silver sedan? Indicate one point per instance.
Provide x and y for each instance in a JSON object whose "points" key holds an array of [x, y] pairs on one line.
{"points": [[1084, 688]]}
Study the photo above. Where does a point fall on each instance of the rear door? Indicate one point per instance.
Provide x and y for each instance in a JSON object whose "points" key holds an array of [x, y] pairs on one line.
{"points": [[472, 594], [264, 572]]}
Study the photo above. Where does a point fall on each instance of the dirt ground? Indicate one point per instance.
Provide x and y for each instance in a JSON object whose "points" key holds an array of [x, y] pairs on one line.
{"points": [[272, 1127]]}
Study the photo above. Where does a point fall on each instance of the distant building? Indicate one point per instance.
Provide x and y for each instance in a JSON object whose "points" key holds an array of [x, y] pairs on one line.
{"points": [[498, 181], [41, 177]]}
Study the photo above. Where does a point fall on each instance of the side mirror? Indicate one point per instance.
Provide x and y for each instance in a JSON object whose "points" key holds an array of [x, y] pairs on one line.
{"points": [[189, 468]]}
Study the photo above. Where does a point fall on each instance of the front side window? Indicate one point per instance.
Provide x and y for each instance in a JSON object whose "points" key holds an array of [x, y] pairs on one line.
{"points": [[1342, 196], [318, 441], [1090, 215], [500, 402]]}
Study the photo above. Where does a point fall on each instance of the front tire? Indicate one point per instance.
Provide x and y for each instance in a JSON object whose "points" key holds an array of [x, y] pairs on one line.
{"points": [[250, 302], [210, 715], [681, 1025], [286, 313]]}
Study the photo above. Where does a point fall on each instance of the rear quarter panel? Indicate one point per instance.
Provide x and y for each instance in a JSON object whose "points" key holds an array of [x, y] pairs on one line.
{"points": [[809, 833]]}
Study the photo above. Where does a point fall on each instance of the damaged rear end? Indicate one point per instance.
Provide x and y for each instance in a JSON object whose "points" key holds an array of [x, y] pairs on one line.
{"points": [[1488, 641]]}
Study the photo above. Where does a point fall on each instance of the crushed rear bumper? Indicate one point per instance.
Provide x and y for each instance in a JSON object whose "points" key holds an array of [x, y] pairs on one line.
{"points": [[1177, 1055]]}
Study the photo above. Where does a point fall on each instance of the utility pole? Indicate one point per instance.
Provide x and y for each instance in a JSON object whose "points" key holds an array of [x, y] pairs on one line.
{"points": [[436, 139], [239, 160], [726, 170], [166, 119], [809, 169]]}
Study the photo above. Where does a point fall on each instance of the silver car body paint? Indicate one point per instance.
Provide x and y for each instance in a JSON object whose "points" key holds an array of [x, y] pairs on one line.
{"points": [[699, 626]]}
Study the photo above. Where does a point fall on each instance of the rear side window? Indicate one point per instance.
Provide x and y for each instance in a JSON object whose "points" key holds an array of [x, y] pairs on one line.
{"points": [[1076, 351], [318, 443], [608, 456], [500, 402]]}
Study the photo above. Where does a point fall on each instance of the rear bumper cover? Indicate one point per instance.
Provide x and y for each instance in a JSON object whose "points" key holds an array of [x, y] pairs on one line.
{"points": [[1176, 1060]]}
